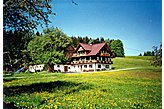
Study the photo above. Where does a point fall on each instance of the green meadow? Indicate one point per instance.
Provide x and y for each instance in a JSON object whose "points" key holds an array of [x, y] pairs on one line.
{"points": [[139, 88]]}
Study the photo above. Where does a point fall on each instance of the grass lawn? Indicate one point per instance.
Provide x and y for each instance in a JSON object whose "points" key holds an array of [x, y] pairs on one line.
{"points": [[132, 89]]}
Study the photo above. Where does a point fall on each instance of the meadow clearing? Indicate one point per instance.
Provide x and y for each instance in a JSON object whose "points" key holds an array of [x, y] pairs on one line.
{"points": [[139, 88]]}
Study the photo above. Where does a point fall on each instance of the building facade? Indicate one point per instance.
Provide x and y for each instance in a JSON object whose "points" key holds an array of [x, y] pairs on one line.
{"points": [[87, 58]]}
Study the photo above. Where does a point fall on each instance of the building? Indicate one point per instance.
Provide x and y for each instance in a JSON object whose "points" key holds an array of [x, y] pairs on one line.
{"points": [[36, 68], [87, 58]]}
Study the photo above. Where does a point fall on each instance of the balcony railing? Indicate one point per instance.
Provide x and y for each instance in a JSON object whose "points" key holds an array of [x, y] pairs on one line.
{"points": [[104, 54], [91, 61]]}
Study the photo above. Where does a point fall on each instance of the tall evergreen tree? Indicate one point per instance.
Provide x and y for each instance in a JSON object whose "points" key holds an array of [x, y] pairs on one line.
{"points": [[37, 33], [15, 42], [102, 39], [157, 58]]}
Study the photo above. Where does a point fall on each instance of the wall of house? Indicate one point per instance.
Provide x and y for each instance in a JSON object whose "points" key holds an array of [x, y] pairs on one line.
{"points": [[83, 67], [90, 67], [103, 67], [75, 68], [59, 68], [36, 68]]}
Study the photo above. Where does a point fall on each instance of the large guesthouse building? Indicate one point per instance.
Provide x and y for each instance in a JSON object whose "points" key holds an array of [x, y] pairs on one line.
{"points": [[87, 58]]}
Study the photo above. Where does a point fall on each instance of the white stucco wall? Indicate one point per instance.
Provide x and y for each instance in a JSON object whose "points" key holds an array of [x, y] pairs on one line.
{"points": [[81, 67], [59, 68], [103, 67], [35, 68]]}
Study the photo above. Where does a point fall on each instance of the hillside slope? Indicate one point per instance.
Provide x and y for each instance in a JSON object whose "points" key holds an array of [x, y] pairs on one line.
{"points": [[131, 61]]}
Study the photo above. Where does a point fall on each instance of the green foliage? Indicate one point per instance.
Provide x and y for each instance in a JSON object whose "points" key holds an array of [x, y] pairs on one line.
{"points": [[140, 54], [13, 45], [157, 58], [117, 48], [51, 45], [77, 40], [133, 89], [25, 14], [148, 53], [115, 45]]}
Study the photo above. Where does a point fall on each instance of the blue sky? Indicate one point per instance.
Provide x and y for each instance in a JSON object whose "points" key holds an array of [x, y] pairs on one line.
{"points": [[138, 23]]}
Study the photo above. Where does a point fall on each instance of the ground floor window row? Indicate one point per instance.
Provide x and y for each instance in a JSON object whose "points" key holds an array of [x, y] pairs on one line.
{"points": [[82, 67], [90, 66]]}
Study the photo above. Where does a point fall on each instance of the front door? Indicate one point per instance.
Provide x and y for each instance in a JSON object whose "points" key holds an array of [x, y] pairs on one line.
{"points": [[65, 68], [81, 68]]}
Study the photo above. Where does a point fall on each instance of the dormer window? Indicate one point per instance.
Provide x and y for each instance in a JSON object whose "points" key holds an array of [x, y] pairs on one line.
{"points": [[81, 52]]}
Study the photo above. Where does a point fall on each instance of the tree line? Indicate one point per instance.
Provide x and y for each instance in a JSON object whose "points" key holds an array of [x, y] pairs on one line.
{"points": [[156, 55], [147, 53], [116, 45], [23, 47]]}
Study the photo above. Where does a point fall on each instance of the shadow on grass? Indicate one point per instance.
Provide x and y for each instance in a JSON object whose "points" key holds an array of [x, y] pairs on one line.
{"points": [[8, 79], [9, 105], [70, 87], [113, 68], [66, 87]]}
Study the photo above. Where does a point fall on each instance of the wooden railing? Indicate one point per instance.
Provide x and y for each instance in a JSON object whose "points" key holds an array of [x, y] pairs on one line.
{"points": [[92, 61], [104, 54]]}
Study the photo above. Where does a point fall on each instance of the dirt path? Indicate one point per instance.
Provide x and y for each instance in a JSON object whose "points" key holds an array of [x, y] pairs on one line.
{"points": [[125, 69]]}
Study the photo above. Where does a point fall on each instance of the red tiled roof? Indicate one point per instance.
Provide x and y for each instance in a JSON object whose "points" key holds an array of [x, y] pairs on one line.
{"points": [[86, 46], [94, 49]]}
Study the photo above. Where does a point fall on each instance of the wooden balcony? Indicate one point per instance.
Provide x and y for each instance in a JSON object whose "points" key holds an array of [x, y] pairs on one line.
{"points": [[91, 61], [104, 54]]}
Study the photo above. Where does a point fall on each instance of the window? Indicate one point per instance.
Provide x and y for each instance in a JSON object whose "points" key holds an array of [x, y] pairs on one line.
{"points": [[85, 66], [81, 52], [82, 59], [90, 66], [68, 67], [97, 58], [99, 66], [103, 58], [58, 66], [107, 66], [87, 58]]}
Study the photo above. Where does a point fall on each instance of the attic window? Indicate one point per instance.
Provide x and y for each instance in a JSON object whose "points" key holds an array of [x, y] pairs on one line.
{"points": [[81, 52]]}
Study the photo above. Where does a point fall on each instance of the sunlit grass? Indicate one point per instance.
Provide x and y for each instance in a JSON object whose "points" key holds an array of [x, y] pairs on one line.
{"points": [[129, 62], [132, 89]]}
